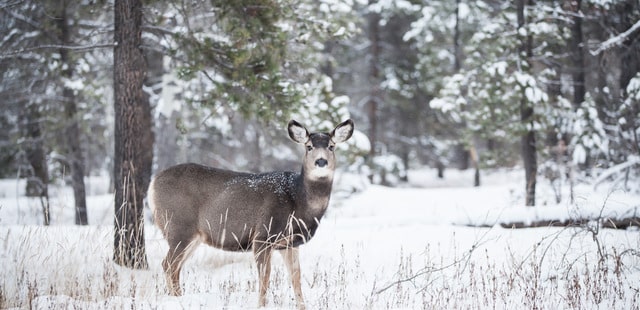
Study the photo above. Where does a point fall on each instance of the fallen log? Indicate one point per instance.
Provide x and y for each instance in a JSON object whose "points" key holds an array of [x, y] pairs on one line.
{"points": [[604, 222]]}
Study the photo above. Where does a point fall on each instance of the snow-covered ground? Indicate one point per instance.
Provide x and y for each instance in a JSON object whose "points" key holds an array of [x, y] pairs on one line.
{"points": [[410, 248]]}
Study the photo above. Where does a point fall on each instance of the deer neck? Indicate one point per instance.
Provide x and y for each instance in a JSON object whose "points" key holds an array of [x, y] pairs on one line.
{"points": [[315, 194]]}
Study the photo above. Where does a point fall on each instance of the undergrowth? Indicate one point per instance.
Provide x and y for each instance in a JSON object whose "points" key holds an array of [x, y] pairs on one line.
{"points": [[576, 267]]}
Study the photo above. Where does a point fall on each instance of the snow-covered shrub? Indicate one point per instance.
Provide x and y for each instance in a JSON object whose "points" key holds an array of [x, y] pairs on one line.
{"points": [[589, 137], [388, 170]]}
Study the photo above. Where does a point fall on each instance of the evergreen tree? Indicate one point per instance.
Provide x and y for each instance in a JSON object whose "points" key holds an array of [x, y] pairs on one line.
{"points": [[500, 86], [133, 136]]}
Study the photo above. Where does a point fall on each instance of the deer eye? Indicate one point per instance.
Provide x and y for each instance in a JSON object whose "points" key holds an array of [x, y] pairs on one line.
{"points": [[331, 148], [309, 148]]}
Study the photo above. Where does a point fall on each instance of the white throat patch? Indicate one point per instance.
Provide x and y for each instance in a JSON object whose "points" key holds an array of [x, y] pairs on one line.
{"points": [[320, 173]]}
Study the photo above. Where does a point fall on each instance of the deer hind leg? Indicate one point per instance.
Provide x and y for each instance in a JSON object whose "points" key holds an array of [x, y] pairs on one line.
{"points": [[262, 253], [179, 252], [291, 259]]}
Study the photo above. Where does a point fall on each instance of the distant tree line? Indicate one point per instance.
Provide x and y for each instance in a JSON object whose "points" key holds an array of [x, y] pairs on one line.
{"points": [[548, 85], [553, 86]]}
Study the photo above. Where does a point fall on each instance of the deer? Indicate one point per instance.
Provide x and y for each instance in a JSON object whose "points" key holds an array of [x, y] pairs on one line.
{"points": [[238, 211]]}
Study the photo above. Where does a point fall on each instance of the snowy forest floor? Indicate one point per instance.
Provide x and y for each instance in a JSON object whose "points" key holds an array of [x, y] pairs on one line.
{"points": [[433, 244]]}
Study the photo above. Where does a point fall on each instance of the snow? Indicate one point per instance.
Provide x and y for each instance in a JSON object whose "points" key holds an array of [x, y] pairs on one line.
{"points": [[359, 141], [388, 5], [171, 86], [401, 248], [616, 40], [340, 32], [633, 88]]}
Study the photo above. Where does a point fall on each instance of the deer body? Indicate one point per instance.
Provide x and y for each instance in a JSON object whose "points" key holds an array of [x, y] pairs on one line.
{"points": [[237, 211]]}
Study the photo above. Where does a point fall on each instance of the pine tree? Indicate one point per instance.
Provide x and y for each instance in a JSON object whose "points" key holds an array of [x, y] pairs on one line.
{"points": [[133, 136]]}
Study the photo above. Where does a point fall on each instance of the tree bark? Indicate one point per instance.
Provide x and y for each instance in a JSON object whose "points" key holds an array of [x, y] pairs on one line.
{"points": [[37, 158], [469, 151], [475, 161], [462, 152], [528, 139], [72, 128], [374, 78], [457, 51], [133, 135], [577, 54]]}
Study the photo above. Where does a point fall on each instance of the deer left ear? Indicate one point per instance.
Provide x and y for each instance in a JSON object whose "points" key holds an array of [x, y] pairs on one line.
{"points": [[297, 132], [342, 132]]}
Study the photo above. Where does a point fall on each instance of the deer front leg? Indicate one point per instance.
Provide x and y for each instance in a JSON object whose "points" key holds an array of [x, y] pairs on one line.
{"points": [[262, 255], [291, 259]]}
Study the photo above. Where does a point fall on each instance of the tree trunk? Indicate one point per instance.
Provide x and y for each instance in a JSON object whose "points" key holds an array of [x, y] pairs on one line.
{"points": [[576, 43], [374, 78], [133, 135], [469, 151], [457, 51], [475, 161], [577, 55], [37, 158], [528, 139], [72, 129], [373, 20]]}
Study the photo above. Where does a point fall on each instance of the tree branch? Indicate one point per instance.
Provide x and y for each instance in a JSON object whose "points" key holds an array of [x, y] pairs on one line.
{"points": [[21, 17], [617, 40], [77, 48], [10, 4], [158, 30]]}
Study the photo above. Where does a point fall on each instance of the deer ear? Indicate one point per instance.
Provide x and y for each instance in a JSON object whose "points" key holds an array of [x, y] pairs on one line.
{"points": [[342, 132], [297, 132]]}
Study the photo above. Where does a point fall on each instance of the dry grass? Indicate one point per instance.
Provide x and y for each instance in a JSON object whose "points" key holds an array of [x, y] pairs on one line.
{"points": [[70, 267]]}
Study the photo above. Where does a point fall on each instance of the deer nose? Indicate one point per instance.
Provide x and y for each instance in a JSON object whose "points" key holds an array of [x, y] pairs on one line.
{"points": [[321, 162]]}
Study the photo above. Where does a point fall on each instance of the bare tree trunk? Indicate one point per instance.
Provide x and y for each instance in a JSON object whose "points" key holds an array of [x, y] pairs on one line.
{"points": [[133, 135], [473, 154], [457, 51], [462, 152], [577, 54], [37, 158], [374, 77], [528, 140], [72, 129], [469, 152]]}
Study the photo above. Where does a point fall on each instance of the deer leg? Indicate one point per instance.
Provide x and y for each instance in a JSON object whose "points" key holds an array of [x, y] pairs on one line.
{"points": [[291, 259], [262, 255], [172, 274], [173, 262]]}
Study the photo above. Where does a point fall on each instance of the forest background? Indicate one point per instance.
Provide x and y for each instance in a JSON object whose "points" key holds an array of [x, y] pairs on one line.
{"points": [[549, 86]]}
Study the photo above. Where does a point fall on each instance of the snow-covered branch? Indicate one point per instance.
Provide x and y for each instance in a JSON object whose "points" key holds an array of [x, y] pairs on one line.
{"points": [[6, 5], [76, 48], [159, 31], [31, 22], [617, 40]]}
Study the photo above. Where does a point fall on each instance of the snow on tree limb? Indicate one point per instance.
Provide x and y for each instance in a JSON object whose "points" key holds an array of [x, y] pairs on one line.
{"points": [[617, 40], [79, 48], [634, 160]]}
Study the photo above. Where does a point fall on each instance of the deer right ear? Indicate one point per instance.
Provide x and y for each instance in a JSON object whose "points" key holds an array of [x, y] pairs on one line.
{"points": [[298, 133], [342, 132]]}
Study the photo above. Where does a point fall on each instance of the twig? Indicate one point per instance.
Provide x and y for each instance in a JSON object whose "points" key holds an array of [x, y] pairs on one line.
{"points": [[427, 270], [77, 48]]}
